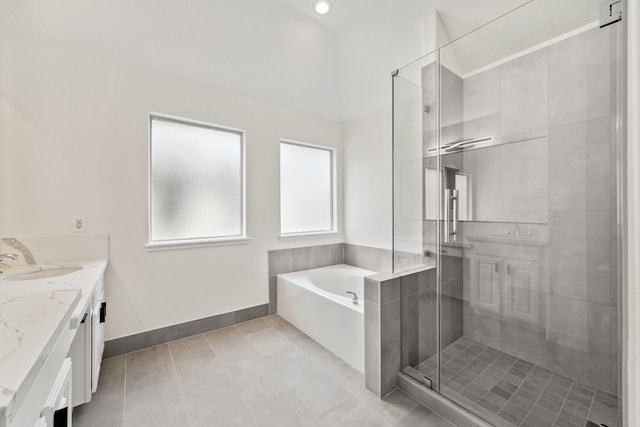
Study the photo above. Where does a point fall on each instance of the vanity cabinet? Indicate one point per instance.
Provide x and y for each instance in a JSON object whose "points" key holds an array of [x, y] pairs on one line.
{"points": [[88, 346], [486, 283], [505, 278], [51, 387], [51, 346]]}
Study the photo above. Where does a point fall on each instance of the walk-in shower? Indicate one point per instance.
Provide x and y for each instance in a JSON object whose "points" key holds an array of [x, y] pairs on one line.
{"points": [[506, 177]]}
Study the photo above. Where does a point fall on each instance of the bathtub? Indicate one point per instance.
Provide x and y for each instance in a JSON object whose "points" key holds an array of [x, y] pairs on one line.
{"points": [[316, 302]]}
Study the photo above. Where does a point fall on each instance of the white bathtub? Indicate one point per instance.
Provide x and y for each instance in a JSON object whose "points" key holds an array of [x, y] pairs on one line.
{"points": [[316, 302]]}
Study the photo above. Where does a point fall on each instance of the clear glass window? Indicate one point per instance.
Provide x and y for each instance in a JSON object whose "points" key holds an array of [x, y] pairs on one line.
{"points": [[196, 181], [307, 195]]}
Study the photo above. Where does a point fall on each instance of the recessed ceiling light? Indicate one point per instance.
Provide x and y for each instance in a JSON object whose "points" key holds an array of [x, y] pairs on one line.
{"points": [[322, 7]]}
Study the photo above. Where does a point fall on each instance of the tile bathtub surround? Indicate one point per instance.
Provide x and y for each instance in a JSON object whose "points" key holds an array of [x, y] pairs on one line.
{"points": [[383, 327], [263, 372], [288, 260], [367, 257], [495, 384]]}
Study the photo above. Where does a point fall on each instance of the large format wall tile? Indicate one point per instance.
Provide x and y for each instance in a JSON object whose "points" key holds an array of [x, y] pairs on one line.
{"points": [[598, 179], [579, 166], [450, 106], [598, 239], [567, 254], [509, 181], [370, 258], [523, 94], [579, 77], [567, 167], [481, 104]]}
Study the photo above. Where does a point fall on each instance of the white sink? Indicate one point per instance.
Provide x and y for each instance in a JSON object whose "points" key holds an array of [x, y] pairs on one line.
{"points": [[32, 272]]}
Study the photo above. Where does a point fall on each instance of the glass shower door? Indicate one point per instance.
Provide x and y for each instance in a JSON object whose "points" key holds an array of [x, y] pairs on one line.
{"points": [[527, 278], [506, 201], [415, 212]]}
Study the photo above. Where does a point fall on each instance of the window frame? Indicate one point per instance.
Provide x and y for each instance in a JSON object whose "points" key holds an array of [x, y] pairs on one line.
{"points": [[156, 245], [333, 185]]}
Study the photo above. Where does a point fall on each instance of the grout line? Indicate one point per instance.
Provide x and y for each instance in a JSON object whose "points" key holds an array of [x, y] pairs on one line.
{"points": [[593, 398], [226, 371], [323, 369], [563, 402], [539, 395], [175, 371]]}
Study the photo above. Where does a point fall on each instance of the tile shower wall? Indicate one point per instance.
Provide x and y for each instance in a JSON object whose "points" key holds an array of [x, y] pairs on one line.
{"points": [[560, 186], [574, 202]]}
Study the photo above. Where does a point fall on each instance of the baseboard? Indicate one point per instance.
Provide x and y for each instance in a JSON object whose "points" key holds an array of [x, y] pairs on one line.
{"points": [[118, 346]]}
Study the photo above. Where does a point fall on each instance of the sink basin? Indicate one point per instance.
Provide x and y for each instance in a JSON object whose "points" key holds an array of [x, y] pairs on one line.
{"points": [[33, 272]]}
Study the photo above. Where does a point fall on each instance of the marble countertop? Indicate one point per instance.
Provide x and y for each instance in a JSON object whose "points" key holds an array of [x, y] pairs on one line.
{"points": [[33, 313]]}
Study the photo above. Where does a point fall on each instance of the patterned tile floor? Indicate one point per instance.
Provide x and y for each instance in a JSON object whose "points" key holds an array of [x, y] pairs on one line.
{"points": [[259, 373], [510, 391]]}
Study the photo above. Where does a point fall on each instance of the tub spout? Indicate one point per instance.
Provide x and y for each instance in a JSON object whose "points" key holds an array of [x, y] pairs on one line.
{"points": [[355, 297]]}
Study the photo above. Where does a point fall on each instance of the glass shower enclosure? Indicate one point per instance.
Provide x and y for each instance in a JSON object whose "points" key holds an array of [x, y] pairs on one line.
{"points": [[506, 145]]}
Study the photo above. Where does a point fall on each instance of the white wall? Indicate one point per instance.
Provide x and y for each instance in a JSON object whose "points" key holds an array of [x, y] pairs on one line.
{"points": [[368, 138], [264, 49], [367, 180], [73, 140]]}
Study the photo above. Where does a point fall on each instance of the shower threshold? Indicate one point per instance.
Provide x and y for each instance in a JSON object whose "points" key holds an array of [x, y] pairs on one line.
{"points": [[508, 391]]}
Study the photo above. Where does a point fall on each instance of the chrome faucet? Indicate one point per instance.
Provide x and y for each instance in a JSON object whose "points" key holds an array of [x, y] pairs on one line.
{"points": [[14, 257], [355, 297], [516, 229]]}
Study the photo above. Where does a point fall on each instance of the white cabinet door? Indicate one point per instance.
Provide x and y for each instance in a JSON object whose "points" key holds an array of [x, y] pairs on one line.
{"points": [[522, 292], [97, 346], [485, 284]]}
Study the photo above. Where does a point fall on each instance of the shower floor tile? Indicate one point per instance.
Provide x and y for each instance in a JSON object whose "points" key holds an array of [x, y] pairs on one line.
{"points": [[509, 391]]}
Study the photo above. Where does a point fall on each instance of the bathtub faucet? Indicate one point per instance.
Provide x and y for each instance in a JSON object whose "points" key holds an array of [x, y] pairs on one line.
{"points": [[14, 257], [355, 297]]}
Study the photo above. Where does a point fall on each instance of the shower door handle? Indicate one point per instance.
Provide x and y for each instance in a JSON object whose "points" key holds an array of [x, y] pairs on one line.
{"points": [[447, 202], [454, 200]]}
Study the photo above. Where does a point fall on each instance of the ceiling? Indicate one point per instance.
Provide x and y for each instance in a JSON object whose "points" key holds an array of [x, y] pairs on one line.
{"points": [[337, 66]]}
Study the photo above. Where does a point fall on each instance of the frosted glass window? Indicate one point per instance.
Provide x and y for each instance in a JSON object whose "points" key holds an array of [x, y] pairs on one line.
{"points": [[306, 188], [196, 181]]}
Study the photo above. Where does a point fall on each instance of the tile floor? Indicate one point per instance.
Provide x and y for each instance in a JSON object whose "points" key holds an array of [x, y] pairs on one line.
{"points": [[520, 393], [260, 373]]}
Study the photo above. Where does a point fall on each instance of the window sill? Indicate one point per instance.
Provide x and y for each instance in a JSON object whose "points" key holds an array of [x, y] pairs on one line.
{"points": [[195, 243], [321, 234]]}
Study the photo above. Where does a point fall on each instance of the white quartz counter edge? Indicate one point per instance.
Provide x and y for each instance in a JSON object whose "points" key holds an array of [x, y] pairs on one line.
{"points": [[33, 314]]}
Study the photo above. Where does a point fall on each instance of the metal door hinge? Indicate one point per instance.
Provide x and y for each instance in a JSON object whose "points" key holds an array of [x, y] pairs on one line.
{"points": [[610, 12]]}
